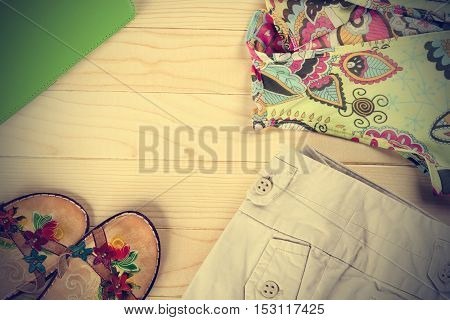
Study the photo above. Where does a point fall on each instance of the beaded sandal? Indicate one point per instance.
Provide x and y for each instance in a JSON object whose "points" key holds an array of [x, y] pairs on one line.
{"points": [[34, 231], [117, 260]]}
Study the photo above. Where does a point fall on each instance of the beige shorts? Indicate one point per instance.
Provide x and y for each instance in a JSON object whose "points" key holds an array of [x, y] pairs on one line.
{"points": [[312, 229]]}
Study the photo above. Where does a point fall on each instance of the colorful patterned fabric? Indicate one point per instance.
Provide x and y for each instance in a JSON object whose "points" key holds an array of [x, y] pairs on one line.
{"points": [[369, 71]]}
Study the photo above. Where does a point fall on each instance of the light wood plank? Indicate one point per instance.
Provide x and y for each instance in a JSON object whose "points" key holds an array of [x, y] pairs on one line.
{"points": [[183, 252], [157, 60], [200, 201], [195, 14], [106, 125]]}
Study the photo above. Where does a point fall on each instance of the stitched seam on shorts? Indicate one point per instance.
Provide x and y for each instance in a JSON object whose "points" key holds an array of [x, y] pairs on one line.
{"points": [[346, 263], [388, 241], [386, 258], [318, 204], [334, 249], [292, 191], [305, 263], [256, 266], [364, 273], [296, 193], [376, 187], [407, 205]]}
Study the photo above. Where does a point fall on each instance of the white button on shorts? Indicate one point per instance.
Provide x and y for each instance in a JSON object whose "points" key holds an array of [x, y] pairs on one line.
{"points": [[263, 186], [270, 289]]}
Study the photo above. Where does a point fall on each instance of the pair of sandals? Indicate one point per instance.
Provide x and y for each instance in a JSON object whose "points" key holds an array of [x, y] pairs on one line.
{"points": [[46, 249]]}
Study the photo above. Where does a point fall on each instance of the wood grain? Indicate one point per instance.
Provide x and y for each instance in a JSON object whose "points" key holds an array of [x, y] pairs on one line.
{"points": [[156, 60], [107, 125], [195, 14], [183, 252], [197, 200]]}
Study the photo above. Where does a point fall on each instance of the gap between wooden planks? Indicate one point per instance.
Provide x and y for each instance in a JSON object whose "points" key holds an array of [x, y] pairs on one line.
{"points": [[195, 14], [101, 125], [156, 60], [182, 252], [178, 200], [212, 14], [173, 46]]}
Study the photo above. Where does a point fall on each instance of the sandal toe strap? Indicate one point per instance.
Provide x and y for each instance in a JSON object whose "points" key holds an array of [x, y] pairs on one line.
{"points": [[102, 266], [30, 255]]}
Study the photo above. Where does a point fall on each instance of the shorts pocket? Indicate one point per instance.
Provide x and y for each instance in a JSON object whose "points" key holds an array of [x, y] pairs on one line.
{"points": [[279, 272]]}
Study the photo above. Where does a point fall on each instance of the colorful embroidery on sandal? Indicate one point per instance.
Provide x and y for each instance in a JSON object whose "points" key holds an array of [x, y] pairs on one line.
{"points": [[30, 242], [110, 263], [121, 262]]}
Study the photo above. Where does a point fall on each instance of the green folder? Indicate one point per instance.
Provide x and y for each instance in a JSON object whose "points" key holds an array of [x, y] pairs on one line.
{"points": [[42, 39]]}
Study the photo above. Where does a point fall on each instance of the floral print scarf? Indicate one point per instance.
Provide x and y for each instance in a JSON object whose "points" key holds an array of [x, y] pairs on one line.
{"points": [[370, 71]]}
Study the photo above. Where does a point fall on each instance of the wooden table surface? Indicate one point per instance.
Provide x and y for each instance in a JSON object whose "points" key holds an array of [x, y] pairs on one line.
{"points": [[81, 137]]}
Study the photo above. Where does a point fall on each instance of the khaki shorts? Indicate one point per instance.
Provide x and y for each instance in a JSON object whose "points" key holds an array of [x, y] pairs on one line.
{"points": [[312, 229]]}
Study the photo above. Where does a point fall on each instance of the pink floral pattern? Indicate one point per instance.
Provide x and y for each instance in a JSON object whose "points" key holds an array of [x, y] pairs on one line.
{"points": [[319, 70], [311, 31], [398, 140]]}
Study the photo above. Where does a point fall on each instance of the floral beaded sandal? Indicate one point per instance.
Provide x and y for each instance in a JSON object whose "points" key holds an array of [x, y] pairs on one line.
{"points": [[118, 260], [34, 231]]}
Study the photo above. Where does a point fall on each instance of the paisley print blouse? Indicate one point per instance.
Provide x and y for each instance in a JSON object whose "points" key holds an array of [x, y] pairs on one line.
{"points": [[370, 71]]}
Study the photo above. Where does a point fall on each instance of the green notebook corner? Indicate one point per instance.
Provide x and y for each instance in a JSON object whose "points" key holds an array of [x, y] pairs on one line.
{"points": [[42, 39]]}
